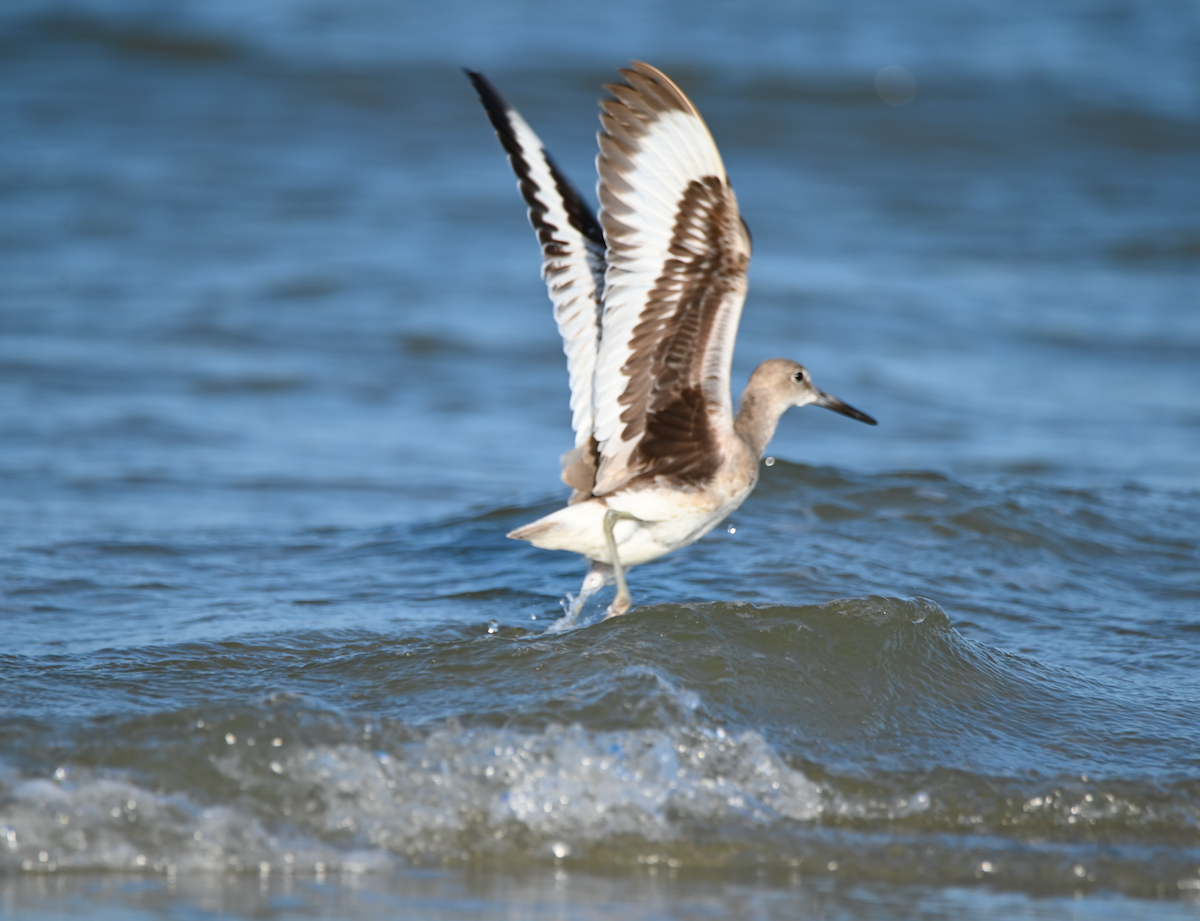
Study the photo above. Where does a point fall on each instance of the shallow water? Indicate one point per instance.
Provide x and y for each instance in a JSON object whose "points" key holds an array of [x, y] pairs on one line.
{"points": [[277, 374]]}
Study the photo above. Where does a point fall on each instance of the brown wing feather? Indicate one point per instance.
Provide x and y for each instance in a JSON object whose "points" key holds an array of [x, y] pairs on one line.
{"points": [[669, 400], [677, 258]]}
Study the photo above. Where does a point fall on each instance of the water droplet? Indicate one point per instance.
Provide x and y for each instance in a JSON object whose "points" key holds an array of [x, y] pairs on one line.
{"points": [[731, 529], [896, 86], [561, 849], [770, 461], [230, 738]]}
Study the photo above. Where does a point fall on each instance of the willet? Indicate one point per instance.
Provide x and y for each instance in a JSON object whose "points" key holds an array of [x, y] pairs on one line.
{"points": [[647, 300]]}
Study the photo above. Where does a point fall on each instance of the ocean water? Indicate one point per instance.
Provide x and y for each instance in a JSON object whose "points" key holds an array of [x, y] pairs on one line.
{"points": [[277, 373]]}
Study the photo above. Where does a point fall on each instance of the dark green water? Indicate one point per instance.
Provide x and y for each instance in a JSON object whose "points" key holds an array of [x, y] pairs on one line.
{"points": [[277, 374]]}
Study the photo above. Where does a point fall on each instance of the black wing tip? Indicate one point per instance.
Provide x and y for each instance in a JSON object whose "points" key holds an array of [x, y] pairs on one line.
{"points": [[499, 113], [495, 105], [478, 80]]}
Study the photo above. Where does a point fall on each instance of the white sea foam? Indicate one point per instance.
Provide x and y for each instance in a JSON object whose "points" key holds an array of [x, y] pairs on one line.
{"points": [[455, 794]]}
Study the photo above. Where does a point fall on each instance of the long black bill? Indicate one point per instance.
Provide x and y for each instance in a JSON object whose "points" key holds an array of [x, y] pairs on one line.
{"points": [[829, 401]]}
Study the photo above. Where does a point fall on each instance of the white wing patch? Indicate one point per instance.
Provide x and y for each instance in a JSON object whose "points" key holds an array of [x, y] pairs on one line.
{"points": [[573, 260], [677, 256]]}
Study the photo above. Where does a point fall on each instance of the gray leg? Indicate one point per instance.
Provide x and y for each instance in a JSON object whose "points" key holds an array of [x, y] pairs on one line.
{"points": [[598, 576], [623, 602]]}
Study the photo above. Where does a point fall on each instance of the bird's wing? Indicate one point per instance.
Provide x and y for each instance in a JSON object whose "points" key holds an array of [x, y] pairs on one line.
{"points": [[677, 257], [572, 248]]}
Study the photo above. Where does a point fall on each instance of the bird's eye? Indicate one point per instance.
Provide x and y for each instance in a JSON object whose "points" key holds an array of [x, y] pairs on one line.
{"points": [[798, 377]]}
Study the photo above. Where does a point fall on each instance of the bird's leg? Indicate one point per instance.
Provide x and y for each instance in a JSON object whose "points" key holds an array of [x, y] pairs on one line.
{"points": [[623, 602], [598, 576]]}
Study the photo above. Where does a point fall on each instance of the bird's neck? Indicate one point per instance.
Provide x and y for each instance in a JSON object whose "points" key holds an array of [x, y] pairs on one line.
{"points": [[756, 420]]}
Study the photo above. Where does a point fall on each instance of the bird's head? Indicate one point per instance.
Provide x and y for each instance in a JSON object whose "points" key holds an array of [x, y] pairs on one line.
{"points": [[790, 384]]}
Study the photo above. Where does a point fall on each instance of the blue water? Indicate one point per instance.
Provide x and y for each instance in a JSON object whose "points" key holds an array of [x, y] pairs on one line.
{"points": [[277, 373]]}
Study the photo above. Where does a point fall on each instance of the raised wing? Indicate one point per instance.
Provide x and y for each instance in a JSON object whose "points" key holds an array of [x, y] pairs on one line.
{"points": [[676, 280], [572, 248]]}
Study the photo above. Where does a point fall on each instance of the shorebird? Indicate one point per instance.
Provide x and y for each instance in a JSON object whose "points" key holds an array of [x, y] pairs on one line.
{"points": [[647, 300]]}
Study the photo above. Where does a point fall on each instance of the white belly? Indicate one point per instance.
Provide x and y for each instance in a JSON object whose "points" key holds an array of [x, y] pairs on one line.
{"points": [[667, 519]]}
